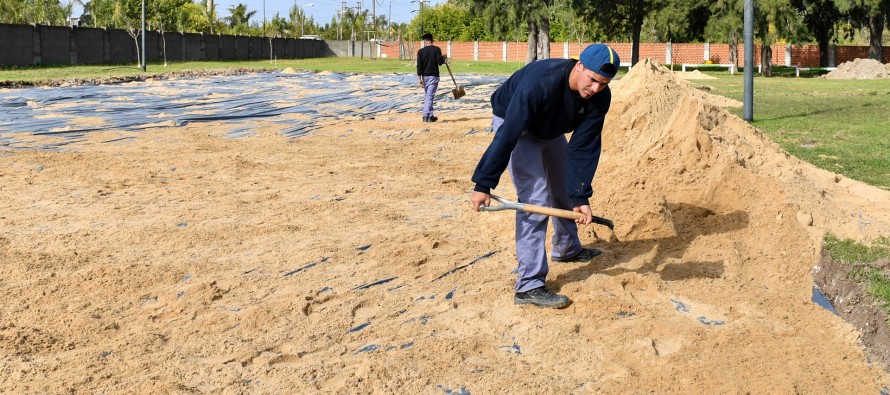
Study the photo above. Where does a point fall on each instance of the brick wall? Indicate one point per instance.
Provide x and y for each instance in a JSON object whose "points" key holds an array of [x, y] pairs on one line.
{"points": [[26, 45], [681, 53]]}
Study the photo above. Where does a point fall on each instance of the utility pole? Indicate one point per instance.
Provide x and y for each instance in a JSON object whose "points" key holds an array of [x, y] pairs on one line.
{"points": [[340, 25], [359, 8]]}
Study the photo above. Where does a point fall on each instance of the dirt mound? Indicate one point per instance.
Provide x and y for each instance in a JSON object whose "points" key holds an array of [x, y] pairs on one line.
{"points": [[660, 118], [860, 69], [694, 75], [349, 260]]}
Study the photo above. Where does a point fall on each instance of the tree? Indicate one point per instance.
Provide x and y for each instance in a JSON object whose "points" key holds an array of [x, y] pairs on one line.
{"points": [[726, 24], [279, 26], [871, 14], [504, 19], [776, 20], [300, 24], [538, 19], [680, 21], [821, 18], [620, 17], [42, 12], [356, 20], [445, 22], [207, 10], [239, 18]]}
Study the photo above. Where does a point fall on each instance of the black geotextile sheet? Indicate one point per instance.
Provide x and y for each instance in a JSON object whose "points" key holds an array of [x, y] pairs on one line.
{"points": [[234, 102]]}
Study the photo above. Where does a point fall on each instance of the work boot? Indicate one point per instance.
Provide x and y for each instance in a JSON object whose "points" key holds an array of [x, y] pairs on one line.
{"points": [[585, 255], [541, 297], [432, 119], [426, 119]]}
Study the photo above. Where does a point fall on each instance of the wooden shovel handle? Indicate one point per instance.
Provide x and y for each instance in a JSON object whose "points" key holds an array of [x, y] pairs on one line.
{"points": [[449, 73], [554, 212]]}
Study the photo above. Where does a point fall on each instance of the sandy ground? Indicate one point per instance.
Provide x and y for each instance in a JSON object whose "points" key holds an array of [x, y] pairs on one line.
{"points": [[348, 260]]}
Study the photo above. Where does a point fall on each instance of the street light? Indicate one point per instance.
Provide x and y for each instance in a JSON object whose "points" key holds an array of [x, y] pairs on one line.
{"points": [[421, 13], [303, 17]]}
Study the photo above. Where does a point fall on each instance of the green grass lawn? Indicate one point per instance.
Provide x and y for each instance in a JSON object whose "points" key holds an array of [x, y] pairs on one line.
{"points": [[869, 264]]}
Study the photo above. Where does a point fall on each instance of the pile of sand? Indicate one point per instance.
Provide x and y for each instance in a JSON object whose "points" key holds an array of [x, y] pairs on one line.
{"points": [[860, 69], [694, 75], [348, 260]]}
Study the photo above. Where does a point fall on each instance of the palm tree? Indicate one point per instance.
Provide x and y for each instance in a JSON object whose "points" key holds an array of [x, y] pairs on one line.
{"points": [[240, 17]]}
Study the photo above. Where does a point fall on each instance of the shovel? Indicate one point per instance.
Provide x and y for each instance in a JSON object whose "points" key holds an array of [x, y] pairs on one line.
{"points": [[458, 91], [553, 212]]}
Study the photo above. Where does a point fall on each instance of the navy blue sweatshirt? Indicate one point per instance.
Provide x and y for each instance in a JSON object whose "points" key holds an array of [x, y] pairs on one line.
{"points": [[429, 58], [537, 98]]}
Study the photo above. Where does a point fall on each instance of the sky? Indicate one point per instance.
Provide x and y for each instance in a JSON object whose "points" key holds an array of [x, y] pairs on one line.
{"points": [[400, 11]]}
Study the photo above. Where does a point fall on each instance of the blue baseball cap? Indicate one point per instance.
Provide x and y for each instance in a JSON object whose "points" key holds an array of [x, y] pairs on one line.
{"points": [[601, 59]]}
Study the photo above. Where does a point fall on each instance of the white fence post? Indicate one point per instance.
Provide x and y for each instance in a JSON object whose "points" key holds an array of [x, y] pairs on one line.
{"points": [[787, 54], [667, 53]]}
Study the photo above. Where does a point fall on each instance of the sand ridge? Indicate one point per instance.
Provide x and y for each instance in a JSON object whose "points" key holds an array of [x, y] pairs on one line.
{"points": [[348, 260]]}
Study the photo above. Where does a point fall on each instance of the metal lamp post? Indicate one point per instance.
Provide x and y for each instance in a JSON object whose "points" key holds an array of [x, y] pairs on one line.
{"points": [[143, 37], [303, 18]]}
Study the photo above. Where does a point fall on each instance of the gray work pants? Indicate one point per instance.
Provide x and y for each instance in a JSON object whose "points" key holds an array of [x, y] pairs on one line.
{"points": [[538, 171], [430, 85]]}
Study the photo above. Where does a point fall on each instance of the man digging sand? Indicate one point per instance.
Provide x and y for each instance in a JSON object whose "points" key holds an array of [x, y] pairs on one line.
{"points": [[532, 112]]}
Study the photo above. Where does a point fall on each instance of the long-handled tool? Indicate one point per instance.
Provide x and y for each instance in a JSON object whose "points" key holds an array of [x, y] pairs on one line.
{"points": [[458, 90], [553, 212]]}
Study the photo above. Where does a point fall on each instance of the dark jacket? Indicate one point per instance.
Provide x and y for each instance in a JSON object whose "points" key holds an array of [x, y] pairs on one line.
{"points": [[429, 58], [537, 98]]}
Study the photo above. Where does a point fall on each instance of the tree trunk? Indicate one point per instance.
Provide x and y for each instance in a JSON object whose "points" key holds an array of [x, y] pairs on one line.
{"points": [[544, 38], [135, 34], [823, 53], [532, 53], [766, 61], [734, 51], [164, 43], [635, 47], [875, 30]]}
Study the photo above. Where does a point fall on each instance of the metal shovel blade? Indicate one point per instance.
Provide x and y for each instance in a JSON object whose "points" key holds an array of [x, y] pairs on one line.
{"points": [[458, 92]]}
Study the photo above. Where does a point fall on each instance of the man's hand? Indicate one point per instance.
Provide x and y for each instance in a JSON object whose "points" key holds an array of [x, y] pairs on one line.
{"points": [[588, 215], [481, 199], [421, 84]]}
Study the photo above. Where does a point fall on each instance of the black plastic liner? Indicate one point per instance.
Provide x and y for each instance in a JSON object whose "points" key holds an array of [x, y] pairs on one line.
{"points": [[232, 101]]}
